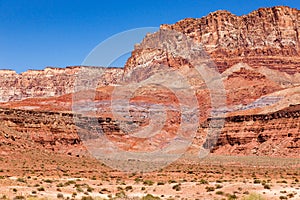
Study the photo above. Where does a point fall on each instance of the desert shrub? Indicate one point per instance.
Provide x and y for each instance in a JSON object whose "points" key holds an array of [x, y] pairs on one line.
{"points": [[202, 181], [128, 188], [266, 186], [21, 180], [137, 180], [160, 183], [71, 182], [150, 197], [48, 181], [231, 197], [41, 189], [19, 197], [176, 187], [121, 195], [171, 181], [253, 196], [103, 190], [256, 181], [79, 189], [60, 196], [210, 188], [283, 197], [4, 197], [89, 189], [283, 181], [119, 188], [148, 182], [87, 198], [219, 192], [60, 185]]}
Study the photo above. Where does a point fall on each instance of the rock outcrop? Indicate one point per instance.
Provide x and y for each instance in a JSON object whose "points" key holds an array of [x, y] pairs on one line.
{"points": [[49, 82], [52, 131], [266, 31], [267, 40], [265, 37], [274, 134]]}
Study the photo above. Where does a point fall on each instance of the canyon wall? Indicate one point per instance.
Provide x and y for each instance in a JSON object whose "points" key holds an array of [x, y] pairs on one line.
{"points": [[52, 131], [49, 82], [268, 37], [274, 134], [265, 37]]}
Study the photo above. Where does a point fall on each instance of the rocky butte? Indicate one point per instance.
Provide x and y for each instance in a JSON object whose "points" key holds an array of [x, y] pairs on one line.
{"points": [[258, 58]]}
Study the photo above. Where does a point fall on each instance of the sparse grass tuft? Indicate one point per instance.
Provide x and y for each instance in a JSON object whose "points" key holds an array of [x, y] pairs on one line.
{"points": [[210, 188], [202, 181], [148, 182], [253, 196], [150, 197], [176, 187]]}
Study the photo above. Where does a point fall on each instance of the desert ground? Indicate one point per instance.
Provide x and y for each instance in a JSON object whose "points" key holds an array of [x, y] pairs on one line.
{"points": [[47, 175]]}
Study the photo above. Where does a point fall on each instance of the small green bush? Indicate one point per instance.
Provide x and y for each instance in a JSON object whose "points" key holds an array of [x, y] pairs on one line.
{"points": [[231, 197], [210, 189], [21, 180], [176, 187], [219, 192], [60, 196], [148, 182], [266, 186], [253, 196], [41, 189], [256, 181], [150, 197], [202, 181], [128, 188], [19, 197], [87, 198]]}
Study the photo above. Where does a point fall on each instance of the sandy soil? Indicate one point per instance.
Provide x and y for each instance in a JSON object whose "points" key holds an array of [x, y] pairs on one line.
{"points": [[46, 175]]}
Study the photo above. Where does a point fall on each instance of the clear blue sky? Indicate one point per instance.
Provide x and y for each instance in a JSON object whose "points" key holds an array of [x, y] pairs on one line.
{"points": [[39, 33]]}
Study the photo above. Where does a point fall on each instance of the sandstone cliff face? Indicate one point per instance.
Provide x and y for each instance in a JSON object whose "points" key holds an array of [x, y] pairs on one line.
{"points": [[52, 131], [274, 134], [42, 130], [267, 31], [36, 83], [265, 37], [49, 82]]}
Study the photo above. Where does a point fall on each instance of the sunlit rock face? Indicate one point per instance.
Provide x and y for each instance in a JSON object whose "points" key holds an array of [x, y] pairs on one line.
{"points": [[257, 56], [49, 82]]}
